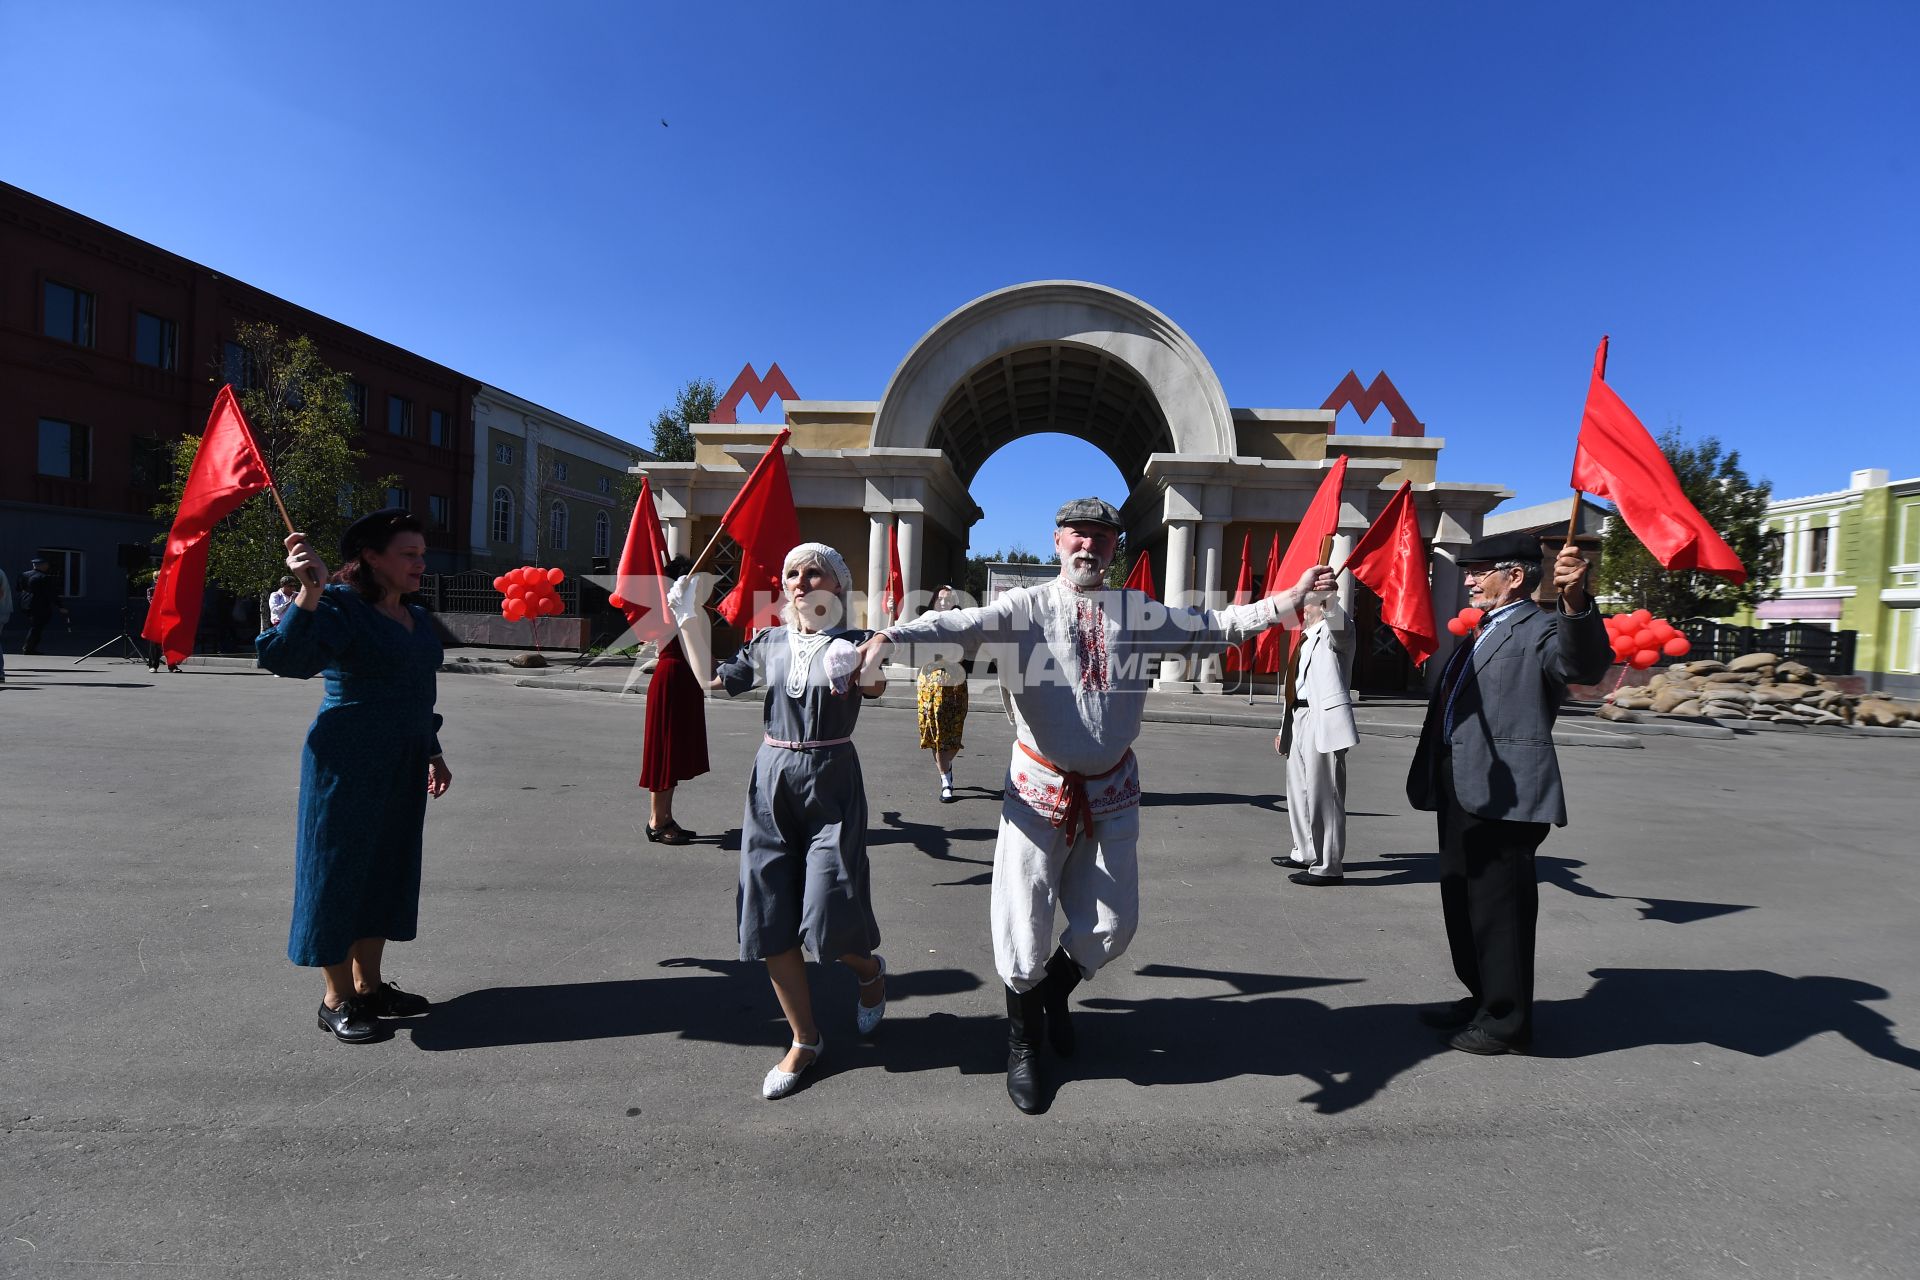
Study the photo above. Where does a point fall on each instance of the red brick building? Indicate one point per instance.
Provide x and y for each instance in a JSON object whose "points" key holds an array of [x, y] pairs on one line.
{"points": [[111, 347]]}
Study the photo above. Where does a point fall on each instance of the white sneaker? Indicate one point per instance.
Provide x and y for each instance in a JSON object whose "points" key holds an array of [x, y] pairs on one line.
{"points": [[779, 1084], [869, 1018]]}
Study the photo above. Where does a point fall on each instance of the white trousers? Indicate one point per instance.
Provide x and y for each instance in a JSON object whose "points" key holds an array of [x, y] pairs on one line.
{"points": [[1095, 881], [1317, 803]]}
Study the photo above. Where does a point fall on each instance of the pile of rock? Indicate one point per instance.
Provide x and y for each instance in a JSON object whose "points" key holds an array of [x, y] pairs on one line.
{"points": [[1758, 686]]}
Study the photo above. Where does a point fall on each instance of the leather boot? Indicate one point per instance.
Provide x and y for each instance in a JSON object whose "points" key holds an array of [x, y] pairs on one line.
{"points": [[1063, 975], [1024, 1012]]}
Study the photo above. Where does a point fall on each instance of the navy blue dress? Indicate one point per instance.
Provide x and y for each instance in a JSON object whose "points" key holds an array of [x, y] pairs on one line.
{"points": [[363, 774]]}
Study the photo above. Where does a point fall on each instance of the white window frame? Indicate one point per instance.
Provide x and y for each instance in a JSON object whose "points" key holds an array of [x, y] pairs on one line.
{"points": [[503, 515], [558, 520], [503, 452], [560, 470], [602, 534]]}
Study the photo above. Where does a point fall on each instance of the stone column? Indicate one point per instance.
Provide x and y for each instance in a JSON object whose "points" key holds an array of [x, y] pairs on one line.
{"points": [[1211, 555], [1342, 548], [877, 524], [1179, 582], [909, 524], [678, 534], [1448, 598]]}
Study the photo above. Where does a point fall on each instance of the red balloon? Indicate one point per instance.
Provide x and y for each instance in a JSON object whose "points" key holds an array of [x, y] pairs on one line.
{"points": [[1678, 647], [1642, 616], [617, 600], [515, 591], [556, 576], [1472, 616], [499, 584], [551, 604], [1645, 658], [513, 610], [1612, 622], [1623, 647], [1456, 627]]}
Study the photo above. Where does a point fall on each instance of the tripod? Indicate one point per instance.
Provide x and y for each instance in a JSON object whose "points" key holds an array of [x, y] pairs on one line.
{"points": [[129, 647]]}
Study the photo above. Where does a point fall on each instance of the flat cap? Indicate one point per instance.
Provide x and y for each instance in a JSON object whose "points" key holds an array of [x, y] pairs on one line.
{"points": [[1518, 545], [1089, 511]]}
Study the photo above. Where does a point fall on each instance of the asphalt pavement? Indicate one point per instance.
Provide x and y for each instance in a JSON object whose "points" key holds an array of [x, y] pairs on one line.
{"points": [[1726, 1077]]}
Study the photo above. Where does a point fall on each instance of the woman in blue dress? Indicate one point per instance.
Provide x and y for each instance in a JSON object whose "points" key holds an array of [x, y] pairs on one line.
{"points": [[372, 758], [803, 842]]}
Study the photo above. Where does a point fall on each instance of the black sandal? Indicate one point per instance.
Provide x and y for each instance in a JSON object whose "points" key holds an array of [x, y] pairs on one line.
{"points": [[672, 833]]}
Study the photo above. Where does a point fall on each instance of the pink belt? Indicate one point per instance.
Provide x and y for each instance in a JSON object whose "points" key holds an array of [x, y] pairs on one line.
{"points": [[806, 746]]}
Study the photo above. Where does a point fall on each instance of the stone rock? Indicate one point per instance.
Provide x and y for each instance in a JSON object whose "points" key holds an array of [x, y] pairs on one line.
{"points": [[527, 660], [1754, 662]]}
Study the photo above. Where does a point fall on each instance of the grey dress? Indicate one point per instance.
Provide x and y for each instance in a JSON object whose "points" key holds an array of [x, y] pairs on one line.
{"points": [[803, 841]]}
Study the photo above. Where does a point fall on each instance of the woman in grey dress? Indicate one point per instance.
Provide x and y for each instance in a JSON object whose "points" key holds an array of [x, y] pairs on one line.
{"points": [[803, 843]]}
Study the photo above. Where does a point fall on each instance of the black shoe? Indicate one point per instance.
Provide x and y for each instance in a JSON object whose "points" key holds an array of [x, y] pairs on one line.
{"points": [[669, 834], [351, 1023], [1063, 975], [1024, 1085], [389, 1001], [1307, 877], [1473, 1039], [1450, 1017]]}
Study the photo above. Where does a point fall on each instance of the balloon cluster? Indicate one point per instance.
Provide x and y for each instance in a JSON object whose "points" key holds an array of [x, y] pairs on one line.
{"points": [[528, 592], [1639, 638], [1464, 621]]}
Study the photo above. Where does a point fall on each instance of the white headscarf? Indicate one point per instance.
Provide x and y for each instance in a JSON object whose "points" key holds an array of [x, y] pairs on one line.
{"points": [[819, 551]]}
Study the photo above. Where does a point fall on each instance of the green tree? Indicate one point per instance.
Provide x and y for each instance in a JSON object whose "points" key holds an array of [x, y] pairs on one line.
{"points": [[1734, 504], [673, 426], [304, 423]]}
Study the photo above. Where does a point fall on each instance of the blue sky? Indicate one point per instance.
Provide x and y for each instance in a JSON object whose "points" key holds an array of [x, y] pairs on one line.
{"points": [[1466, 196]]}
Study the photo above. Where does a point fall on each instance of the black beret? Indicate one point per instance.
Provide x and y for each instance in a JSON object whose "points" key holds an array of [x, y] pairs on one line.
{"points": [[369, 527], [1493, 549], [1089, 511]]}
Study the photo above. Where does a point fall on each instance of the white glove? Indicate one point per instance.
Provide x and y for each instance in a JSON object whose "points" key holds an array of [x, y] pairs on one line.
{"points": [[687, 594], [841, 660]]}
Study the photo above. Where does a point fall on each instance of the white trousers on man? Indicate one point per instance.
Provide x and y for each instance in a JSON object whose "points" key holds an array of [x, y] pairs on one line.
{"points": [[1093, 880], [1316, 801]]}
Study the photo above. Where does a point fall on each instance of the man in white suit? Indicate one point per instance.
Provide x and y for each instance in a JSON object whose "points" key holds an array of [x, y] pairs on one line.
{"points": [[1315, 740]]}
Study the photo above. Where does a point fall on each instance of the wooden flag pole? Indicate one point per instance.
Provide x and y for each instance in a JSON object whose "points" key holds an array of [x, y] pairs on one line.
{"points": [[1573, 521]]}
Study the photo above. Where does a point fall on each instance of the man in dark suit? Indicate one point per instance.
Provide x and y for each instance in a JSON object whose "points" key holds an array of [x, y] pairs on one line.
{"points": [[1486, 768]]}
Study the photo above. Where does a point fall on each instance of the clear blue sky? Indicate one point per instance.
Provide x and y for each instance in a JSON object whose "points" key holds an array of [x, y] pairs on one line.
{"points": [[1466, 196]]}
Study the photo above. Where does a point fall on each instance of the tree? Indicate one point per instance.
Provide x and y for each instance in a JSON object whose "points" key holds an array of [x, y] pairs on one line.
{"points": [[304, 423], [1733, 504], [673, 426]]}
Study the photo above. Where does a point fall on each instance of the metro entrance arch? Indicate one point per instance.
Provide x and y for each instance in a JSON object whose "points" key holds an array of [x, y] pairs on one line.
{"points": [[1084, 360]]}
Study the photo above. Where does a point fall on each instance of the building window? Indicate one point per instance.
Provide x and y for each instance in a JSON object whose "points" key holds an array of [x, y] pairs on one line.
{"points": [[66, 313], [502, 515], [602, 534], [66, 450], [439, 513], [503, 454], [1817, 540], [156, 341], [399, 497], [399, 416], [357, 401], [152, 463], [606, 484], [236, 367], [559, 470], [69, 568], [436, 427], [557, 527]]}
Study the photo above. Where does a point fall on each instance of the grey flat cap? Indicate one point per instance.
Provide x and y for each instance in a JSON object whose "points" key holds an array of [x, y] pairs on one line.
{"points": [[1518, 545], [1088, 511]]}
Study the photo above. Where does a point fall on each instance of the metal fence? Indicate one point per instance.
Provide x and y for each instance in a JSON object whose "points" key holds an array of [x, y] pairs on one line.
{"points": [[1828, 652], [471, 591]]}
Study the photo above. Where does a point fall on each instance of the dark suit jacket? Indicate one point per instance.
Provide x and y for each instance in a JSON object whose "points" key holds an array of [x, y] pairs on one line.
{"points": [[1503, 760]]}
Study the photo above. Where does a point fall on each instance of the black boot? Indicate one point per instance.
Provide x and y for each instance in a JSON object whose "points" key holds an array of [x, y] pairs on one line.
{"points": [[1063, 975], [1023, 1050]]}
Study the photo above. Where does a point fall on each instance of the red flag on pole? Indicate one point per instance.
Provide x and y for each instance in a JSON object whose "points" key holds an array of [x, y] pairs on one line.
{"points": [[227, 470], [1140, 577], [1616, 458], [1391, 561], [1239, 657], [896, 593], [640, 584], [1316, 526], [1271, 643], [762, 520]]}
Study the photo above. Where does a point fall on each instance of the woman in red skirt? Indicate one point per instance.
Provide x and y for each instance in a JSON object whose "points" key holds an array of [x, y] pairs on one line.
{"points": [[675, 748]]}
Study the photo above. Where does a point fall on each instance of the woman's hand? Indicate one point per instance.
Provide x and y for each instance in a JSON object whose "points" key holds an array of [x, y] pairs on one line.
{"points": [[439, 777], [305, 564]]}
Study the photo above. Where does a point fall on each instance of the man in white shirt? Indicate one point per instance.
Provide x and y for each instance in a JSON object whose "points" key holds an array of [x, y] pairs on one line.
{"points": [[1319, 732], [281, 600], [1076, 658]]}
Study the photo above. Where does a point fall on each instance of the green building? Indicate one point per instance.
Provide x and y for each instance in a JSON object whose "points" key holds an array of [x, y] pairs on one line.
{"points": [[1850, 561]]}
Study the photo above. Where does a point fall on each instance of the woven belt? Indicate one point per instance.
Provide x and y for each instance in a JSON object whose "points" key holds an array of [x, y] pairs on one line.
{"points": [[1077, 814], [806, 746]]}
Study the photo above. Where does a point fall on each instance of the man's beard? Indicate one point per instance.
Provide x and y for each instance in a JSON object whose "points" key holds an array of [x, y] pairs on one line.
{"points": [[1085, 572]]}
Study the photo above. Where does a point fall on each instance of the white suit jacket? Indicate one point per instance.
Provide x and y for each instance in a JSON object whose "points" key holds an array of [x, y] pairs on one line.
{"points": [[1326, 693]]}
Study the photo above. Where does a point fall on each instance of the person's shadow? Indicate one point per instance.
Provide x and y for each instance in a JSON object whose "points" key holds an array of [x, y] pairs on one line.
{"points": [[936, 842], [1561, 873]]}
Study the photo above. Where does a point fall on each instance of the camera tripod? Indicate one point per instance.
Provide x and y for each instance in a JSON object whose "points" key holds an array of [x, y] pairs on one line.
{"points": [[129, 648]]}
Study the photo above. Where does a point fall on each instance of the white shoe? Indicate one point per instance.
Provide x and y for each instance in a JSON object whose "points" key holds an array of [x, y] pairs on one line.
{"points": [[869, 1018], [946, 793], [779, 1084]]}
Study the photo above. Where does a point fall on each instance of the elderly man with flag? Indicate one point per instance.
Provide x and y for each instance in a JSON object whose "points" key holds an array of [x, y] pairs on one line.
{"points": [[1077, 659]]}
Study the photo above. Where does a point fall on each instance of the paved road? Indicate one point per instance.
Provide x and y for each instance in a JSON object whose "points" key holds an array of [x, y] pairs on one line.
{"points": [[1727, 1084]]}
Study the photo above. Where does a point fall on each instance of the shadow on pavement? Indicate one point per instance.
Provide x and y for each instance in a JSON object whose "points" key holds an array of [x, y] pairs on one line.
{"points": [[1562, 873]]}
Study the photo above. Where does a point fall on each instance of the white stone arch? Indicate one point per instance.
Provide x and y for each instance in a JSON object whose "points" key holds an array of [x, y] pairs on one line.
{"points": [[1073, 312]]}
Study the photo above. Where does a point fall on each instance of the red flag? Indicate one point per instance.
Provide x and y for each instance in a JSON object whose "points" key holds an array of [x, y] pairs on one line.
{"points": [[1140, 577], [1316, 526], [1240, 656], [1616, 458], [1391, 561], [640, 585], [227, 470], [896, 594], [762, 520], [1271, 643]]}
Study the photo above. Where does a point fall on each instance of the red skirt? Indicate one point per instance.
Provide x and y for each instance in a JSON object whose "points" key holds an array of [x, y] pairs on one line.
{"points": [[675, 747]]}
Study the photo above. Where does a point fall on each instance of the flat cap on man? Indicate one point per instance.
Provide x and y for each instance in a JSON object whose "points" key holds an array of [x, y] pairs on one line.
{"points": [[1518, 545], [1087, 511]]}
